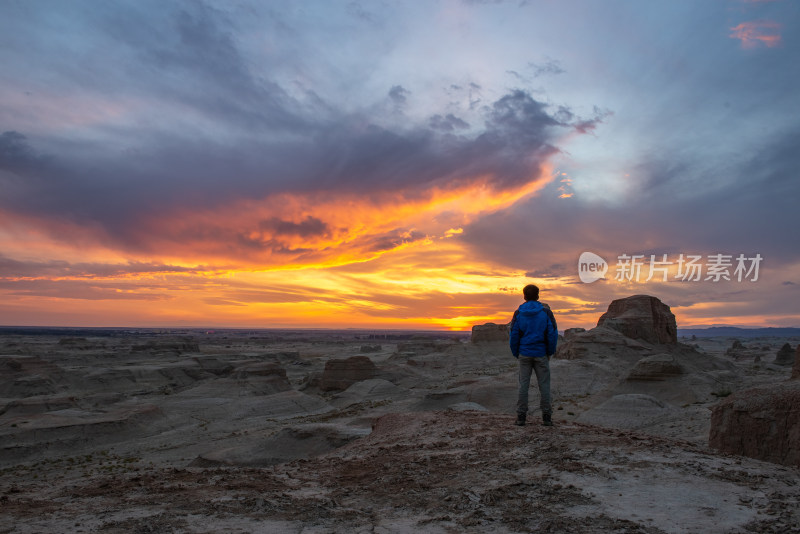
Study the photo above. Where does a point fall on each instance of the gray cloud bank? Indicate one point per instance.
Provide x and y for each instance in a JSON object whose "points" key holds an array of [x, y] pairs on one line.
{"points": [[199, 121], [265, 138]]}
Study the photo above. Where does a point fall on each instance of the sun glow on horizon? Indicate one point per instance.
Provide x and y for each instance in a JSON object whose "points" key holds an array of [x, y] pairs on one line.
{"points": [[313, 260]]}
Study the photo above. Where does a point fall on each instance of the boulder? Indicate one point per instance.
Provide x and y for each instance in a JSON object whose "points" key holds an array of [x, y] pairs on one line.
{"points": [[641, 317], [490, 332], [762, 423], [341, 374], [785, 355]]}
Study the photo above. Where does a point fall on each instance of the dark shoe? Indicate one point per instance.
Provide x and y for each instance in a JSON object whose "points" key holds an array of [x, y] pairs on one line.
{"points": [[520, 419], [547, 420]]}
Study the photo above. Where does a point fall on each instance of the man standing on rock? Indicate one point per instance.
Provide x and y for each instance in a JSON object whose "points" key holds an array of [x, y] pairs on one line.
{"points": [[533, 336]]}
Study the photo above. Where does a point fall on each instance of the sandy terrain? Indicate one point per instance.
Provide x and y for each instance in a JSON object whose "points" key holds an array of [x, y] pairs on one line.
{"points": [[120, 431]]}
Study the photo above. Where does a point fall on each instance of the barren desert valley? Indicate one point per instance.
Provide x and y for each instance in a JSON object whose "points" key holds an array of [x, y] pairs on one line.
{"points": [[312, 431]]}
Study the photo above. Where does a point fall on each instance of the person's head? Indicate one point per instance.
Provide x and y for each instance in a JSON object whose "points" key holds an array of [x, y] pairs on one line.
{"points": [[530, 292]]}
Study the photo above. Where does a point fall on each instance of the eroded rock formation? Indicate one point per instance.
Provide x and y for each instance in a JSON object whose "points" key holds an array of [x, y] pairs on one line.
{"points": [[762, 423], [656, 367], [641, 317], [785, 355], [489, 332], [570, 332], [341, 374]]}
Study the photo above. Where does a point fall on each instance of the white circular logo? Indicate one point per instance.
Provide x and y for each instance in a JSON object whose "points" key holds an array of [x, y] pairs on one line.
{"points": [[591, 267]]}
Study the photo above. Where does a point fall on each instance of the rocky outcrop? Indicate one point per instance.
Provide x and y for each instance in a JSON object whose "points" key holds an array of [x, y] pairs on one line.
{"points": [[600, 343], [213, 365], [785, 355], [641, 317], [656, 367], [259, 369], [260, 378], [762, 423], [739, 351], [28, 376], [341, 374], [58, 431], [570, 332], [491, 332], [735, 348], [488, 332], [674, 373]]}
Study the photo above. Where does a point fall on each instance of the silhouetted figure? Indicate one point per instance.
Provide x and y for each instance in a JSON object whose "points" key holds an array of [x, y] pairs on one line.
{"points": [[533, 339]]}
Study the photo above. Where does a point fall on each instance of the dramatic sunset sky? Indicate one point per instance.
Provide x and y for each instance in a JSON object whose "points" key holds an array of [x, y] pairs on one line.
{"points": [[394, 164]]}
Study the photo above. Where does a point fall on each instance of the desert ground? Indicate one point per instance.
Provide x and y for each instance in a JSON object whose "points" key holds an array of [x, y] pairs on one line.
{"points": [[375, 431]]}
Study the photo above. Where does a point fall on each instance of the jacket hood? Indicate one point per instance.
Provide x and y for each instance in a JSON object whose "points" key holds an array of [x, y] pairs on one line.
{"points": [[531, 306]]}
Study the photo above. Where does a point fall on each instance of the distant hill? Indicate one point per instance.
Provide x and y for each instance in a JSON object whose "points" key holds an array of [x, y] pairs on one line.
{"points": [[734, 331]]}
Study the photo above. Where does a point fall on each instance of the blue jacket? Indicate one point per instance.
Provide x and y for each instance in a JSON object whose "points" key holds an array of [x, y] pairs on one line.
{"points": [[534, 332]]}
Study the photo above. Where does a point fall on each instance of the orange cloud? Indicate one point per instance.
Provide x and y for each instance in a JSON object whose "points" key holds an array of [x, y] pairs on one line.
{"points": [[279, 231], [323, 229], [565, 189], [430, 284], [388, 260], [303, 259], [757, 32]]}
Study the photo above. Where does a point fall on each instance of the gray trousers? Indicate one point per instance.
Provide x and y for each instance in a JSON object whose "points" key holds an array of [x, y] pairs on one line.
{"points": [[541, 366]]}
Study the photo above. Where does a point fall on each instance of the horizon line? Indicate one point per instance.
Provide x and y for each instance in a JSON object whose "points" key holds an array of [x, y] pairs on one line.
{"points": [[334, 329]]}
